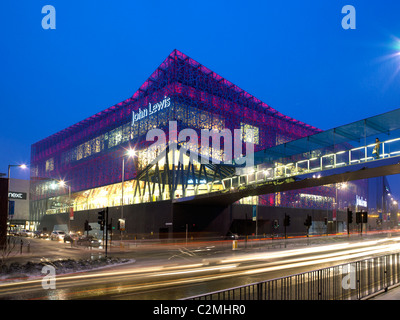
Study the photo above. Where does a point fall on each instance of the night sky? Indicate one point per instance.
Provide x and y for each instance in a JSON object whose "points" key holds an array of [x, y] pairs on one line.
{"points": [[293, 55]]}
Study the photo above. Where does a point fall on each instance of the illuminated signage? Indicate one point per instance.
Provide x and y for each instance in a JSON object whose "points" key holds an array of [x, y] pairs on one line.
{"points": [[152, 109], [202, 181], [361, 202], [17, 195], [314, 197]]}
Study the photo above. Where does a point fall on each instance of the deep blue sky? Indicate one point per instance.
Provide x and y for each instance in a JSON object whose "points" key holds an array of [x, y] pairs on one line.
{"points": [[293, 55]]}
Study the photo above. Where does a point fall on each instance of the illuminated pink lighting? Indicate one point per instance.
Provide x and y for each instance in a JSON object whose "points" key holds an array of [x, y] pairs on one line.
{"points": [[191, 86]]}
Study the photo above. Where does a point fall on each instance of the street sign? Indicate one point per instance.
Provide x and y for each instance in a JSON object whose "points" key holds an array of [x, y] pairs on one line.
{"points": [[254, 213], [121, 223]]}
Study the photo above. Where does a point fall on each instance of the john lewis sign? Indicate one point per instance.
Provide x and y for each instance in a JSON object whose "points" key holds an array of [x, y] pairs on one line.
{"points": [[361, 202], [151, 110]]}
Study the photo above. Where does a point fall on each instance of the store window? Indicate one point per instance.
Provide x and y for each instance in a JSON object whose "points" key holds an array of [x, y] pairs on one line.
{"points": [[50, 164]]}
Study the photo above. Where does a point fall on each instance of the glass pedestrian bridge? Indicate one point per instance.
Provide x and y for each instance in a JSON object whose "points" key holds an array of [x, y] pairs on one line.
{"points": [[341, 147]]}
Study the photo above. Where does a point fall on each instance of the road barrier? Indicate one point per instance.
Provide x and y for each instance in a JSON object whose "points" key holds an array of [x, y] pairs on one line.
{"points": [[350, 281], [234, 245]]}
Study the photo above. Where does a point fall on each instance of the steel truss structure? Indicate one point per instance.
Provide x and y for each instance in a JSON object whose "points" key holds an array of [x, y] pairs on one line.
{"points": [[176, 176]]}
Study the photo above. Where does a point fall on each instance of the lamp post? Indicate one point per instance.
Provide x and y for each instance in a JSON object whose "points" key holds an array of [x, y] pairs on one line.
{"points": [[339, 186], [63, 184], [130, 154]]}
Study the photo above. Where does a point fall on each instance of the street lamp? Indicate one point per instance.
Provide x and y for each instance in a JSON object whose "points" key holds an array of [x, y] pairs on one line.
{"points": [[339, 186], [130, 153], [63, 184], [22, 166]]}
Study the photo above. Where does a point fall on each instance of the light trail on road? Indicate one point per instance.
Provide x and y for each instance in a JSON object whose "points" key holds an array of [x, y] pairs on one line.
{"points": [[133, 281]]}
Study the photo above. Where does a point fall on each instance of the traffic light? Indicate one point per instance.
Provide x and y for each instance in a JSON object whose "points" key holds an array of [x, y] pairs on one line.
{"points": [[276, 223], [361, 217], [349, 216], [358, 217], [365, 217], [286, 221], [88, 227], [109, 226], [308, 221], [101, 219]]}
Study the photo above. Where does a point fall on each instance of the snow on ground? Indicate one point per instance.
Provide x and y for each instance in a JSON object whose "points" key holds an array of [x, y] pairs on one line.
{"points": [[30, 270]]}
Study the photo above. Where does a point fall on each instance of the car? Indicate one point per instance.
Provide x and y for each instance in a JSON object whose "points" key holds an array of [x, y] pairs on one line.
{"points": [[231, 236], [71, 237], [25, 233], [41, 234], [89, 241], [57, 235]]}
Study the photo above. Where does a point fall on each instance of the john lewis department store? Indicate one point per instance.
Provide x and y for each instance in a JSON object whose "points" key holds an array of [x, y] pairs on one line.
{"points": [[90, 158]]}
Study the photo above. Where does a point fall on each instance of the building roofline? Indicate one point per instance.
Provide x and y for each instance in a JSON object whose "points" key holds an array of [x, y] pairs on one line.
{"points": [[174, 55]]}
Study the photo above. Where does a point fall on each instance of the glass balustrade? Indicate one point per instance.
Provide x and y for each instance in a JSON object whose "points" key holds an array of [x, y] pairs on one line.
{"points": [[389, 148]]}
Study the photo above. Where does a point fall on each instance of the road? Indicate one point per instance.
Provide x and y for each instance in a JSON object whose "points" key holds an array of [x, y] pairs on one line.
{"points": [[176, 272]]}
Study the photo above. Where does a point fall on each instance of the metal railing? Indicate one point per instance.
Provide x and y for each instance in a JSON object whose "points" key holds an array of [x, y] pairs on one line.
{"points": [[350, 281]]}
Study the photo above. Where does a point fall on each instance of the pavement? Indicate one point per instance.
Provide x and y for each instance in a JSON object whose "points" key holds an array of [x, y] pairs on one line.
{"points": [[392, 294]]}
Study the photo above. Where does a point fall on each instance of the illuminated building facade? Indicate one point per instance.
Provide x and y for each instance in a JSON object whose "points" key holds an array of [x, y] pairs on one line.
{"points": [[90, 155]]}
